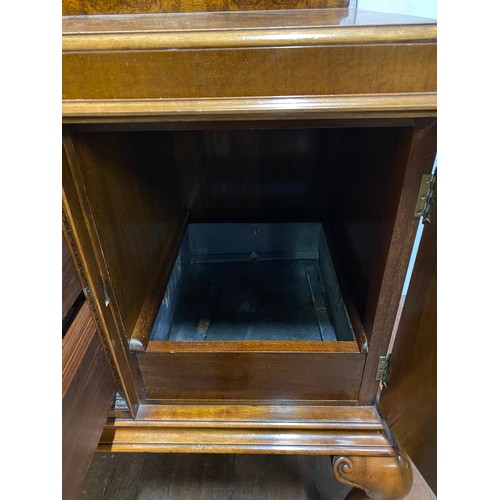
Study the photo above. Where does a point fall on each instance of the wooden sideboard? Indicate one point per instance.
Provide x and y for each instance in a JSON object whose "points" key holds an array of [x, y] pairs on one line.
{"points": [[264, 121]]}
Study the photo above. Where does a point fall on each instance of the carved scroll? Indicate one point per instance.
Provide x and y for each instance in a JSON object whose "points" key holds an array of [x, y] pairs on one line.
{"points": [[382, 478]]}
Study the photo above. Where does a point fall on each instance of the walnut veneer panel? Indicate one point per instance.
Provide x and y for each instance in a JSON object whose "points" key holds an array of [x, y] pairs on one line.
{"points": [[181, 74], [87, 394], [82, 7]]}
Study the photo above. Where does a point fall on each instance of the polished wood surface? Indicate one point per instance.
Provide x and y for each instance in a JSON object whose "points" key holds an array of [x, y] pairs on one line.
{"points": [[231, 68], [87, 393], [409, 404], [251, 375], [394, 251], [189, 113], [346, 288], [253, 174], [156, 439], [357, 189], [89, 7], [377, 26], [130, 183], [222, 31], [249, 72], [303, 429], [71, 287], [157, 61], [382, 478], [142, 330], [252, 346], [80, 233], [297, 416]]}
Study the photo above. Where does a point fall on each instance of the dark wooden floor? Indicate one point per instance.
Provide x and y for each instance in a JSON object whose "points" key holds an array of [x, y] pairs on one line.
{"points": [[130, 476]]}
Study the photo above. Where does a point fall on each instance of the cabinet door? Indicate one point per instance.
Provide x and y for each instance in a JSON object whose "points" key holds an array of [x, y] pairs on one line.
{"points": [[408, 404], [88, 388]]}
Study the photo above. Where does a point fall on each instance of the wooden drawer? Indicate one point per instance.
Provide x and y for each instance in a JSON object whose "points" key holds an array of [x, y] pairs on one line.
{"points": [[252, 311]]}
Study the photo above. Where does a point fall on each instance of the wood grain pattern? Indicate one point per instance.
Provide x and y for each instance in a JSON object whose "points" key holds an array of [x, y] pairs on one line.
{"points": [[360, 186], [409, 405], [346, 287], [87, 393], [119, 70], [207, 66], [252, 346], [396, 243], [251, 174], [247, 375], [79, 228], [71, 287], [144, 35], [130, 182], [382, 478], [181, 74], [268, 416], [257, 21], [90, 7], [200, 112], [250, 428], [145, 321], [167, 440]]}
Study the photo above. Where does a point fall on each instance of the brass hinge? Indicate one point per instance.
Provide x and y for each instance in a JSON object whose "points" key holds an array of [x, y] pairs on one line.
{"points": [[427, 195], [383, 369]]}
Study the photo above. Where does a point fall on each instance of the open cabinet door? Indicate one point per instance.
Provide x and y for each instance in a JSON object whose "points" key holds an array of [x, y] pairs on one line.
{"points": [[409, 402]]}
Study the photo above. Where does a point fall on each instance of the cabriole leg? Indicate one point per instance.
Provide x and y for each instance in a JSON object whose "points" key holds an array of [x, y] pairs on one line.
{"points": [[381, 478]]}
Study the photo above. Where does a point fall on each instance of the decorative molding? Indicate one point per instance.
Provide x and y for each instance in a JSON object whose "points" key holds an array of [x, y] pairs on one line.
{"points": [[254, 415], [164, 439], [136, 40], [250, 428], [327, 106], [382, 478]]}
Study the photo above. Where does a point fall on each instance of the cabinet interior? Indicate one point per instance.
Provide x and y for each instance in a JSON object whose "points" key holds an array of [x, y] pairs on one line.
{"points": [[153, 191]]}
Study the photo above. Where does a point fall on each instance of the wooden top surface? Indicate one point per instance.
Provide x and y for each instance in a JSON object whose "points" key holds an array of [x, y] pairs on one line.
{"points": [[201, 21], [173, 66]]}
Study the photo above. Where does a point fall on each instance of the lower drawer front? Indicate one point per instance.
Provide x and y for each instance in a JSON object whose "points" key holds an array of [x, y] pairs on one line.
{"points": [[251, 375]]}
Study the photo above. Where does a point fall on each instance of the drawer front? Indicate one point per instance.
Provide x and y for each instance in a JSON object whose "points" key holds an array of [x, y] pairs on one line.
{"points": [[212, 73], [251, 375]]}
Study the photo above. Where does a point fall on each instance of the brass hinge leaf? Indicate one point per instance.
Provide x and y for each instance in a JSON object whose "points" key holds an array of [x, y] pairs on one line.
{"points": [[383, 369], [427, 195]]}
